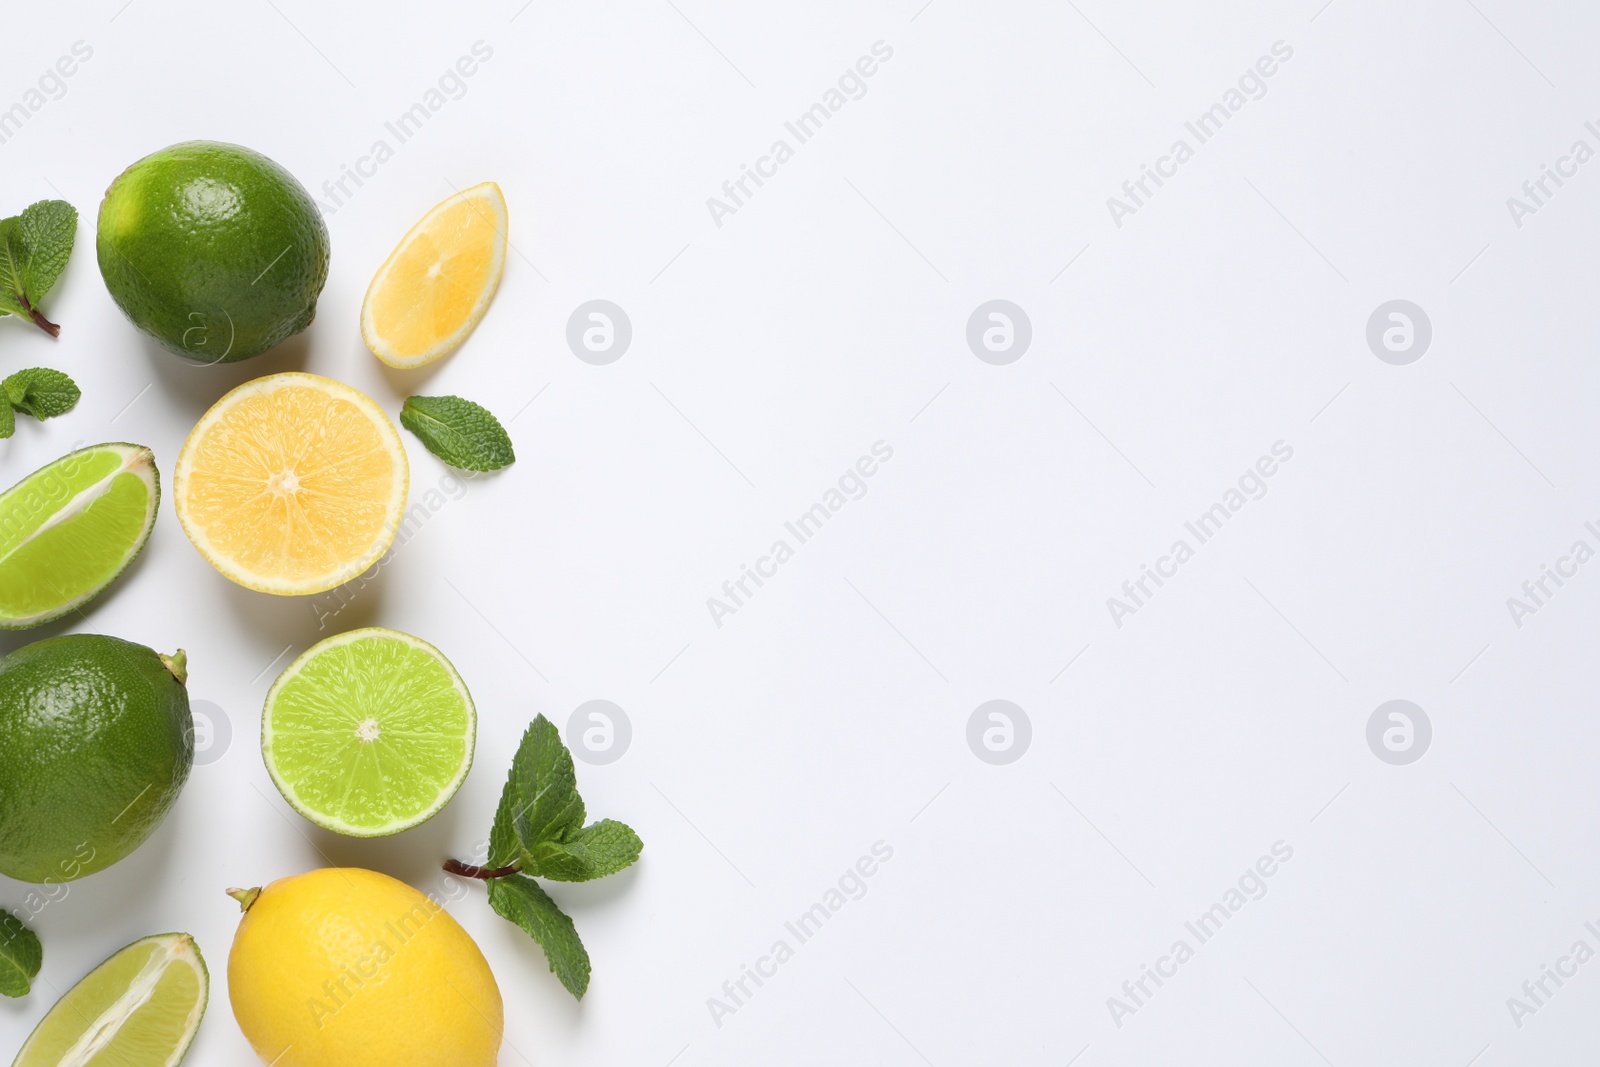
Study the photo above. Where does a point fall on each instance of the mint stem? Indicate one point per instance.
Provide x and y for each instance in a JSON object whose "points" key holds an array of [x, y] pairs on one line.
{"points": [[38, 318], [484, 874]]}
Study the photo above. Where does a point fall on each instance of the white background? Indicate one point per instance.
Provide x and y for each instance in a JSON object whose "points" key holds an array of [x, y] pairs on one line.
{"points": [[829, 313]]}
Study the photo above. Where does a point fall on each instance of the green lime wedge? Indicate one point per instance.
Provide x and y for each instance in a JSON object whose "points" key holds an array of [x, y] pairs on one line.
{"points": [[369, 733], [68, 529], [140, 1008]]}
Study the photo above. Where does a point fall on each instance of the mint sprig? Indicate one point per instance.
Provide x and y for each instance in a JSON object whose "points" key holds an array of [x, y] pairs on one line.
{"points": [[34, 249], [538, 830], [459, 432], [37, 391], [20, 956]]}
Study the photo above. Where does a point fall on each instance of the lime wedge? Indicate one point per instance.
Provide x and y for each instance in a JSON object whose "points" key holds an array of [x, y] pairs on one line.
{"points": [[68, 529], [140, 1008], [369, 733]]}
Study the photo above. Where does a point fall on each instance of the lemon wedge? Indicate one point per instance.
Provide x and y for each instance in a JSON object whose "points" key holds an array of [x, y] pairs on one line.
{"points": [[433, 288]]}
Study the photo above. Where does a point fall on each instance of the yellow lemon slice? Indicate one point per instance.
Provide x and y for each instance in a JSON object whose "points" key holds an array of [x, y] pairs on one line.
{"points": [[292, 484], [435, 287]]}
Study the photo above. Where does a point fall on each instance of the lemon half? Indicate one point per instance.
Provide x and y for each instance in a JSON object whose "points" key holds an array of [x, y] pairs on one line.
{"points": [[292, 484]]}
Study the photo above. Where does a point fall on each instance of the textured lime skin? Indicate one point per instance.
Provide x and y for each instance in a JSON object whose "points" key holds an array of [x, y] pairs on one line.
{"points": [[214, 250], [96, 742]]}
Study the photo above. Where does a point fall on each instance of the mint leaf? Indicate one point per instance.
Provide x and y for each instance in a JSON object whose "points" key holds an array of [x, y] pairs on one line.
{"points": [[21, 954], [459, 432], [544, 787], [41, 392], [34, 249], [8, 421], [520, 900], [13, 268], [504, 848], [48, 230], [597, 850]]}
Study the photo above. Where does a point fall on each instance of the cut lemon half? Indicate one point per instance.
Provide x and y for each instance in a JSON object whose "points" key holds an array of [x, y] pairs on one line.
{"points": [[369, 733], [436, 285], [140, 1008], [292, 484], [70, 528]]}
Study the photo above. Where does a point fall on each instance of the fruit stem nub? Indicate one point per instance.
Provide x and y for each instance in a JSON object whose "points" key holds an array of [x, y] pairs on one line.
{"points": [[178, 664], [245, 897]]}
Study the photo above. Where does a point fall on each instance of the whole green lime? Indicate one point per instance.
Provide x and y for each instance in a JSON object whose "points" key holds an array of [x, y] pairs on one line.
{"points": [[213, 250], [96, 742]]}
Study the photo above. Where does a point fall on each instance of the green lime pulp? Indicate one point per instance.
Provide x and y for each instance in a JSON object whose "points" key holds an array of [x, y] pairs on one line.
{"points": [[68, 529], [369, 733], [214, 250], [96, 742]]}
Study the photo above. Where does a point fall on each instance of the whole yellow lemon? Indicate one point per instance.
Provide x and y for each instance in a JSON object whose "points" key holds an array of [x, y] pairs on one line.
{"points": [[343, 967]]}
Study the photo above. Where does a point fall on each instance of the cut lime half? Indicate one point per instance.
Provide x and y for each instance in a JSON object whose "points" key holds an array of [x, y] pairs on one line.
{"points": [[369, 733], [68, 529], [140, 1008]]}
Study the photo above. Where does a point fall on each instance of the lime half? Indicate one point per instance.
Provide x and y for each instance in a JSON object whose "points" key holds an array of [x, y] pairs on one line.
{"points": [[369, 733], [140, 1008], [68, 529]]}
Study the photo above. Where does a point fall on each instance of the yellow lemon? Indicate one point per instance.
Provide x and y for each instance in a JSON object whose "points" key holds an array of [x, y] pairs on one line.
{"points": [[436, 285], [343, 967], [292, 484]]}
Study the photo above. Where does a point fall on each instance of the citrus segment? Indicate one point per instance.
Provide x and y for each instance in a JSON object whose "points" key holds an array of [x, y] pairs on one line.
{"points": [[292, 484], [436, 285], [70, 528], [369, 733], [140, 1008]]}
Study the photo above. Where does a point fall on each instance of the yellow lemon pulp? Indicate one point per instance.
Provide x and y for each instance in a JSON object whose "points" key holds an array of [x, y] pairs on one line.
{"points": [[435, 287], [344, 967], [292, 484]]}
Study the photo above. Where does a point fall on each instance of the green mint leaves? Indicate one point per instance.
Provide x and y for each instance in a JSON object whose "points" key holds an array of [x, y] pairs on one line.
{"points": [[20, 956], [40, 392], [595, 851], [37, 391], [34, 249], [520, 900], [459, 432], [538, 830]]}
